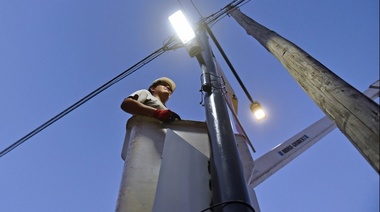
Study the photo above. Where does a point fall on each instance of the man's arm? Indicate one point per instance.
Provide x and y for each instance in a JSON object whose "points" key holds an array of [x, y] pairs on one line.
{"points": [[132, 106]]}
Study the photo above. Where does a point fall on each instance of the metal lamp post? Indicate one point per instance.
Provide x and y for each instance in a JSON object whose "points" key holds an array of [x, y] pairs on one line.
{"points": [[229, 190]]}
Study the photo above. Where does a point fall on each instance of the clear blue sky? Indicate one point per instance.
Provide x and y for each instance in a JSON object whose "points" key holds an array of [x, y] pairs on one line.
{"points": [[53, 53]]}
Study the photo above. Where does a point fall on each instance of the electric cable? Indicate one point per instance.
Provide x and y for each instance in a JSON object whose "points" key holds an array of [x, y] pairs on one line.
{"points": [[181, 5], [215, 17], [172, 44], [108, 84], [196, 8]]}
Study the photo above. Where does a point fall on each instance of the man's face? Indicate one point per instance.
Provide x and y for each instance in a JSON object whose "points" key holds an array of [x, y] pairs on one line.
{"points": [[162, 87]]}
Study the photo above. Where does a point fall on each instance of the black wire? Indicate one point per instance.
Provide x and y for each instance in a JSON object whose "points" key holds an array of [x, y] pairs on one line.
{"points": [[181, 5], [196, 8], [226, 203], [171, 45], [221, 13], [116, 79]]}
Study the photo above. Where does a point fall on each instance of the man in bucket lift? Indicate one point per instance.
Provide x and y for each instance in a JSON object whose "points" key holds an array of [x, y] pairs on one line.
{"points": [[152, 102]]}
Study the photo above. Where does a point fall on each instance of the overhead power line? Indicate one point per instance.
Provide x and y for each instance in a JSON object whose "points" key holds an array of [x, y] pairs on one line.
{"points": [[171, 44]]}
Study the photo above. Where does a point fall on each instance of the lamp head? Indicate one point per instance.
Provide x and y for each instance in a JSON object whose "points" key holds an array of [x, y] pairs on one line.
{"points": [[182, 26], [257, 111], [185, 33]]}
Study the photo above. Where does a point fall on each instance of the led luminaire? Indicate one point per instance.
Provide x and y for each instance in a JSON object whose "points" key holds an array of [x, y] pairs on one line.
{"points": [[259, 114], [257, 111], [182, 26]]}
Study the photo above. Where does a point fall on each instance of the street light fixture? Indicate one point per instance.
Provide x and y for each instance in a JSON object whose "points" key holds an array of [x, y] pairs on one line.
{"points": [[185, 32], [182, 26], [257, 110]]}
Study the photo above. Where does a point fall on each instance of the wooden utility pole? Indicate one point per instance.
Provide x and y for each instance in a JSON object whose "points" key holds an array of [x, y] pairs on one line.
{"points": [[356, 115]]}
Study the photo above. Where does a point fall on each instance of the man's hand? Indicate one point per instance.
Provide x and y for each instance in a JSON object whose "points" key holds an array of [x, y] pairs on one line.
{"points": [[166, 115]]}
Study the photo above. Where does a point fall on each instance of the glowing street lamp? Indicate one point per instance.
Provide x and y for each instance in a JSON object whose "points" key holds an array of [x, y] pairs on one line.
{"points": [[257, 110], [185, 32], [182, 26]]}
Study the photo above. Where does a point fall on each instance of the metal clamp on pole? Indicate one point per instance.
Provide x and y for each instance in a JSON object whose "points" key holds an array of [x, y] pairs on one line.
{"points": [[205, 79]]}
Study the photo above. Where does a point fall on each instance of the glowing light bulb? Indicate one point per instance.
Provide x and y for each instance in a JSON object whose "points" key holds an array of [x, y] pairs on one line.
{"points": [[182, 26], [257, 111]]}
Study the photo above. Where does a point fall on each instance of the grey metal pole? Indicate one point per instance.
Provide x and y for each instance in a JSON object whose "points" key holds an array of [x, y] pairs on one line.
{"points": [[227, 178]]}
